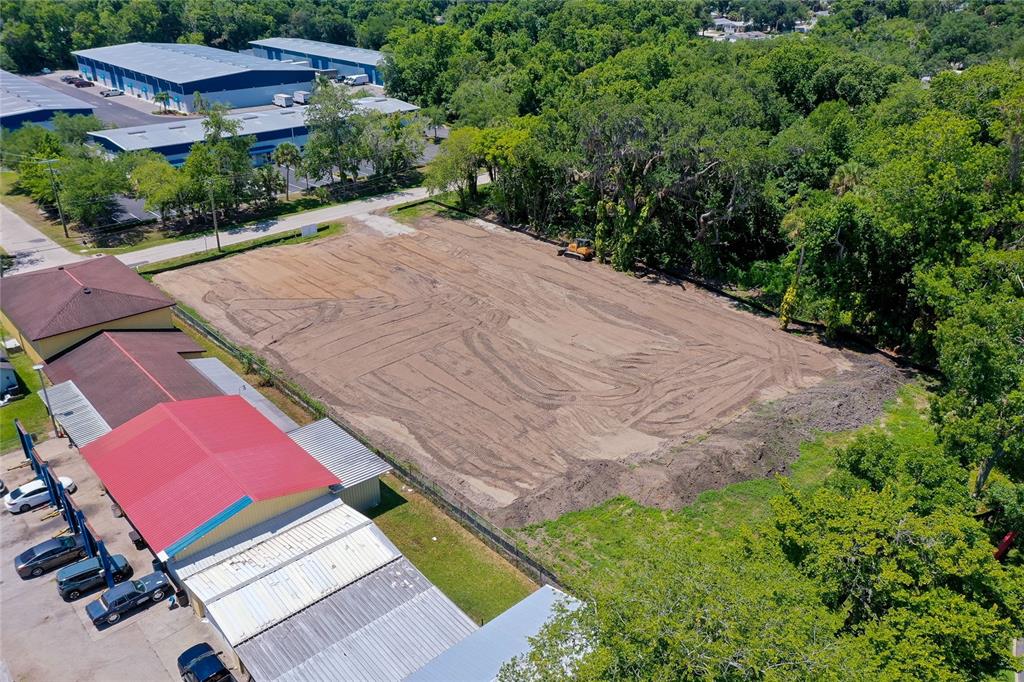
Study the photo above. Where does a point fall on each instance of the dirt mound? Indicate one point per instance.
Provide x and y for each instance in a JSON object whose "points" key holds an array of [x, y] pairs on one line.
{"points": [[526, 383], [761, 442]]}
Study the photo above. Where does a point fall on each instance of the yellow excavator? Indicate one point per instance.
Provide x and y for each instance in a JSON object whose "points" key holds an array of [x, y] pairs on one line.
{"points": [[578, 248]]}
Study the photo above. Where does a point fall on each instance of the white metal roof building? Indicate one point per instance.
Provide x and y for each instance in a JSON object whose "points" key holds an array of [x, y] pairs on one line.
{"points": [[320, 589], [380, 628], [270, 128], [346, 60], [343, 455], [76, 415], [26, 101], [231, 78], [479, 657]]}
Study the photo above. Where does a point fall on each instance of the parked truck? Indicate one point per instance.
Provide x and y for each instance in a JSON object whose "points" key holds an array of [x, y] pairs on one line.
{"points": [[300, 97], [282, 99], [357, 79]]}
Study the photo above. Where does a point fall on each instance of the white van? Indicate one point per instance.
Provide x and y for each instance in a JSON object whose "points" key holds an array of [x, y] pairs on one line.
{"points": [[358, 79]]}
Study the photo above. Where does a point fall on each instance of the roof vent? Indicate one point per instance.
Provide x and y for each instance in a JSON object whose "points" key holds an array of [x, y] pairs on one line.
{"points": [[60, 267], [87, 290], [180, 126]]}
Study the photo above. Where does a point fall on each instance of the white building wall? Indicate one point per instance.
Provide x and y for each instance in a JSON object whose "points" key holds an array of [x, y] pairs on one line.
{"points": [[364, 496]]}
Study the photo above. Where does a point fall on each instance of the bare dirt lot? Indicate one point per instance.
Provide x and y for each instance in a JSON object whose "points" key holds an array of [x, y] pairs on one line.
{"points": [[530, 384]]}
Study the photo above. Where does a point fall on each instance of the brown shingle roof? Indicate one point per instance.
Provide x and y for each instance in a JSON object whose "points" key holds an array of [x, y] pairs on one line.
{"points": [[56, 300], [125, 373]]}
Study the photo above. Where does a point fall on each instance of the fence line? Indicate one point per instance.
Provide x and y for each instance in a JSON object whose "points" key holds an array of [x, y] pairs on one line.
{"points": [[491, 535]]}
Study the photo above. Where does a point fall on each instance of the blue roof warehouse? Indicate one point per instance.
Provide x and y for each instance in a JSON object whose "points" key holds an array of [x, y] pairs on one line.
{"points": [[237, 80], [25, 101], [270, 128], [347, 61]]}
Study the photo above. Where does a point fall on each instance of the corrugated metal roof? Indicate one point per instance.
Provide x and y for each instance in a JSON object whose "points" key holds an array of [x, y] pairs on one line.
{"points": [[221, 376], [180, 466], [340, 452], [180, 63], [344, 53], [75, 413], [262, 584], [481, 655], [22, 96], [191, 130], [381, 627]]}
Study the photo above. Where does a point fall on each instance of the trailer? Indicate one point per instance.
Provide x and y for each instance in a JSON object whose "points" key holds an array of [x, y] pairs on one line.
{"points": [[300, 97], [282, 99]]}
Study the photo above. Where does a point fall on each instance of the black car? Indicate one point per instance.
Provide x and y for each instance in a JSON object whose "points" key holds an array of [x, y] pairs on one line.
{"points": [[200, 664], [75, 580], [55, 552], [68, 79], [83, 84], [125, 597]]}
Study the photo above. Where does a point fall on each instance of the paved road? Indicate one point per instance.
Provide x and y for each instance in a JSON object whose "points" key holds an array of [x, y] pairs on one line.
{"points": [[272, 226], [34, 250], [30, 247]]}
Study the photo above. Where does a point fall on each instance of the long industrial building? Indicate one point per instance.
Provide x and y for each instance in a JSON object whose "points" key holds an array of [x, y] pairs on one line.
{"points": [[237, 80], [270, 128], [347, 61], [25, 101]]}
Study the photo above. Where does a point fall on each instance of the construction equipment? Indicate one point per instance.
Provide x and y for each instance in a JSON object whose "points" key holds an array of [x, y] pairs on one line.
{"points": [[578, 248]]}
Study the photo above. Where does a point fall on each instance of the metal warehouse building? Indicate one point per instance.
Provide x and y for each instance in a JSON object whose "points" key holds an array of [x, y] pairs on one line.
{"points": [[24, 101], [237, 80], [347, 61], [270, 128]]}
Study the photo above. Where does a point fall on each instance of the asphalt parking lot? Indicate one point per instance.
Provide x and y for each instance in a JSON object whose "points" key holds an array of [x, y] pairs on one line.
{"points": [[42, 637], [119, 112]]}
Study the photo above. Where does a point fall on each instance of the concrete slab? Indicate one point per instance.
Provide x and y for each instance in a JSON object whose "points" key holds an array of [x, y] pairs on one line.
{"points": [[44, 638]]}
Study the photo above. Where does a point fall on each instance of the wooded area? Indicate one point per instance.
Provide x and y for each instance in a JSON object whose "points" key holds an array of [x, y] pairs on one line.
{"points": [[867, 176]]}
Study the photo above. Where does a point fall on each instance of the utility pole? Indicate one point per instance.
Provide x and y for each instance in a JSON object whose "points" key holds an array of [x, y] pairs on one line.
{"points": [[213, 208], [56, 195]]}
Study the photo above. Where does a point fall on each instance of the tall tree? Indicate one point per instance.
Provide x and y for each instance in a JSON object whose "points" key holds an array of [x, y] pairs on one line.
{"points": [[289, 157]]}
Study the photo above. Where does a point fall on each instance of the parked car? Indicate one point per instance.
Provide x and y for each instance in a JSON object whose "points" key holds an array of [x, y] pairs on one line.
{"points": [[35, 561], [111, 93], [127, 596], [3, 488], [68, 78], [200, 663], [83, 83], [75, 580], [33, 494]]}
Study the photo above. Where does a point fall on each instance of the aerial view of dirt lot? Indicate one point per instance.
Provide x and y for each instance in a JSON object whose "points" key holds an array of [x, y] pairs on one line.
{"points": [[529, 384]]}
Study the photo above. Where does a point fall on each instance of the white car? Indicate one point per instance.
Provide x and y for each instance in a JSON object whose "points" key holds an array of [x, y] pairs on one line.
{"points": [[33, 494]]}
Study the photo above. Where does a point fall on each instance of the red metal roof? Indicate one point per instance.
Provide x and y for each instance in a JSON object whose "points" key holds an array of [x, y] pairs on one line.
{"points": [[123, 374], [180, 464], [56, 300]]}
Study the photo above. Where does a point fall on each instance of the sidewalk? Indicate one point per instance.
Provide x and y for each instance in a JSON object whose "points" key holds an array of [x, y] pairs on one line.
{"points": [[31, 248]]}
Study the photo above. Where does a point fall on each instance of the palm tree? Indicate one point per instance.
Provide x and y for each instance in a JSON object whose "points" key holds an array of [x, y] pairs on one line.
{"points": [[163, 99], [198, 105], [288, 155], [847, 177]]}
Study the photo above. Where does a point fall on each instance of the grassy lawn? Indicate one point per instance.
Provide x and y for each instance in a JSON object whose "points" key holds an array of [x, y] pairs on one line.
{"points": [[601, 536], [473, 576], [30, 410]]}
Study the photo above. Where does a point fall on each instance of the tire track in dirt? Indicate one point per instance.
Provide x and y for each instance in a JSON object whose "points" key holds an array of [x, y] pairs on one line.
{"points": [[527, 384]]}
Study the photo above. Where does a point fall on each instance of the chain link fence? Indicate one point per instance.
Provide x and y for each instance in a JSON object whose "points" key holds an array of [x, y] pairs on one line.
{"points": [[493, 536]]}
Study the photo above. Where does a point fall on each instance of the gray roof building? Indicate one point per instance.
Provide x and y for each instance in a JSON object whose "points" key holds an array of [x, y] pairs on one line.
{"points": [[270, 128], [381, 627], [479, 656], [26, 101], [340, 452], [178, 63], [344, 59]]}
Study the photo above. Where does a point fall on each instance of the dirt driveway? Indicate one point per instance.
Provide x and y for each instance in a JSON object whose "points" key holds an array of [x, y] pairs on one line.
{"points": [[527, 383]]}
